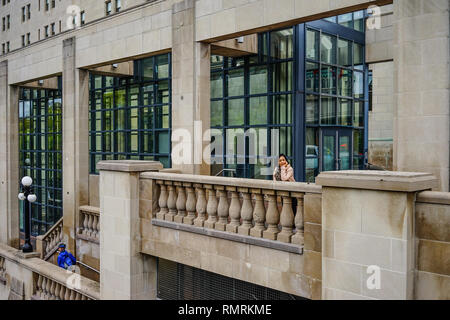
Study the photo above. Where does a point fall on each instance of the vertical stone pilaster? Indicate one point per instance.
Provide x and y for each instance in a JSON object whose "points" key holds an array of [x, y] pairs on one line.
{"points": [[421, 88], [75, 94], [368, 233], [190, 87], [9, 160], [125, 273]]}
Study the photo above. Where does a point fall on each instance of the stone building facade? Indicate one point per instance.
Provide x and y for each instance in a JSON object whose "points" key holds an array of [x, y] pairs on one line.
{"points": [[83, 59]]}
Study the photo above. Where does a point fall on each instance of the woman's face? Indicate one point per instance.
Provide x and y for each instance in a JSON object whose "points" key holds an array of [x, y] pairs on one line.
{"points": [[282, 161]]}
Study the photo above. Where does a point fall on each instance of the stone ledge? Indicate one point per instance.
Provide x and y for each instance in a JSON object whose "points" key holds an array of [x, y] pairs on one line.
{"points": [[378, 180], [230, 236], [434, 197], [87, 238], [129, 165]]}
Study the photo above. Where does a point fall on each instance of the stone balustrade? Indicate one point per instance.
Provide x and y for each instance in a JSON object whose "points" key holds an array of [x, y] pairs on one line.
{"points": [[2, 271], [48, 289], [89, 224], [47, 244], [251, 208]]}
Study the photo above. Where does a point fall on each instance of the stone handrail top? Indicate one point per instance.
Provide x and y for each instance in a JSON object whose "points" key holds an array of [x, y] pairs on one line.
{"points": [[235, 182], [433, 197], [378, 180], [88, 287], [90, 209]]}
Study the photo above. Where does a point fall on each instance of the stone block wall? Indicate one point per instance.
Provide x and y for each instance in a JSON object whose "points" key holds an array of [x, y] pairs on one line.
{"points": [[432, 280]]}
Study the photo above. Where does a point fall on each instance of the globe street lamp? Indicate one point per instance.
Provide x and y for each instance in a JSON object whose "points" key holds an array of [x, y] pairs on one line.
{"points": [[28, 196]]}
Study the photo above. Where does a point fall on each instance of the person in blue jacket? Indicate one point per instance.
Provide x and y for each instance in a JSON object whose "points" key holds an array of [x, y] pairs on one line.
{"points": [[65, 258]]}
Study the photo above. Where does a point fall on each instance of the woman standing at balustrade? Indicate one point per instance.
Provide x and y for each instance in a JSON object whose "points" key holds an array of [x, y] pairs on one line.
{"points": [[284, 171]]}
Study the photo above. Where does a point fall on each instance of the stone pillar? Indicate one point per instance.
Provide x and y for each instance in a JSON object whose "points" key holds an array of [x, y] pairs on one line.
{"points": [[368, 233], [9, 160], [421, 87], [125, 273], [190, 89], [75, 94]]}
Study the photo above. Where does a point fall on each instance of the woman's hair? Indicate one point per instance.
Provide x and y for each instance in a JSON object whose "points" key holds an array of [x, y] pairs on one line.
{"points": [[284, 156]]}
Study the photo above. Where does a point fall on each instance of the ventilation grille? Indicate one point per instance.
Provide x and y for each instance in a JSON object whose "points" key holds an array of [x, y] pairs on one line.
{"points": [[181, 282]]}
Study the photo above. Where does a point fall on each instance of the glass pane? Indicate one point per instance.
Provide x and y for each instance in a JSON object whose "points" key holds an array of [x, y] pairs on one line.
{"points": [[162, 66], [216, 62], [282, 77], [344, 153], [312, 109], [236, 112], [358, 54], [312, 77], [328, 110], [147, 68], [329, 153], [328, 76], [120, 98], [258, 80], [109, 81], [235, 79], [358, 18], [286, 141], [345, 112], [312, 44], [358, 85], [346, 20], [258, 110], [281, 44], [358, 114], [163, 142], [162, 95], [312, 154], [97, 82], [148, 95], [216, 85], [331, 19], [282, 109], [133, 98], [345, 82], [328, 49], [217, 113], [344, 53], [358, 143]]}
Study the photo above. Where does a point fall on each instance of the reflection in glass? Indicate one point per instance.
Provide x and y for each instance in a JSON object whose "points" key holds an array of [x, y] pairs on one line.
{"points": [[328, 49], [344, 153], [358, 17], [282, 44], [312, 77], [258, 110], [358, 53], [235, 79], [282, 109], [312, 109], [329, 156], [258, 80], [216, 113], [216, 85], [345, 53], [162, 66], [312, 44], [358, 85], [328, 110], [346, 20], [328, 78], [312, 154], [345, 82], [358, 114], [236, 112], [345, 112], [282, 77]]}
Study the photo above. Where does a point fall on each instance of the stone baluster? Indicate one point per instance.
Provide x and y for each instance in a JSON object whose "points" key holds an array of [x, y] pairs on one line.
{"points": [[162, 201], [222, 209], [57, 291], [181, 203], [211, 207], [78, 296], [85, 223], [39, 291], [62, 293], [84, 298], [200, 206], [190, 205], [98, 228], [234, 211], [259, 214], [286, 218], [246, 212], [72, 295], [94, 226], [67, 294], [272, 217], [90, 222], [52, 290], [298, 237], [171, 202], [60, 233]]}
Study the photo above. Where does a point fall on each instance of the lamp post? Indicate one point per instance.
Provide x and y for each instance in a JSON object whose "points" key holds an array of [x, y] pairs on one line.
{"points": [[29, 197]]}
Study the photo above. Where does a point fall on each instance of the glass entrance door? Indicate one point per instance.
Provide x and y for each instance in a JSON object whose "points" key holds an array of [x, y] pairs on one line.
{"points": [[336, 149]]}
